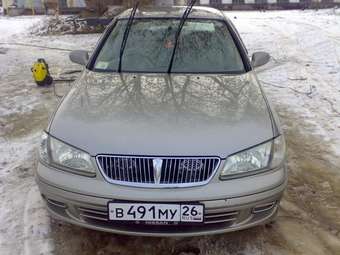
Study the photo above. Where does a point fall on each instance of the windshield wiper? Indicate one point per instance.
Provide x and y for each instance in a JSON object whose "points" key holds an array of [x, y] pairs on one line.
{"points": [[126, 35], [180, 26]]}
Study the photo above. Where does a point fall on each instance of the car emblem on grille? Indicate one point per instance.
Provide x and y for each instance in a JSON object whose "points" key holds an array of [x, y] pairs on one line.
{"points": [[157, 169]]}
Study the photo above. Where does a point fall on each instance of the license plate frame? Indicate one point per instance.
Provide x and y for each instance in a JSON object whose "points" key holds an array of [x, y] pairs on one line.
{"points": [[182, 220]]}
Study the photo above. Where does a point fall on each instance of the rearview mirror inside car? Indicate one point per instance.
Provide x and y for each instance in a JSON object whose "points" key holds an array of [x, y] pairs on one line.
{"points": [[260, 58], [79, 57]]}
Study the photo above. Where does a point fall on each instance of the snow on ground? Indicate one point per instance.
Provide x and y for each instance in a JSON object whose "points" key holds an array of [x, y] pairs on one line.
{"points": [[24, 110], [24, 223], [302, 81], [304, 71], [16, 26]]}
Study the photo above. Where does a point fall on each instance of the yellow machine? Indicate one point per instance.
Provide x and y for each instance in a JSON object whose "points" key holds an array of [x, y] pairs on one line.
{"points": [[41, 74]]}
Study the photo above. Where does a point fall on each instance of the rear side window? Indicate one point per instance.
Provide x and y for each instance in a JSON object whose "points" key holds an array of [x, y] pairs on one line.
{"points": [[204, 46]]}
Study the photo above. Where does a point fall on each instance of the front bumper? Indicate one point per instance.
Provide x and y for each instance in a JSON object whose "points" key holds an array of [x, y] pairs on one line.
{"points": [[87, 205]]}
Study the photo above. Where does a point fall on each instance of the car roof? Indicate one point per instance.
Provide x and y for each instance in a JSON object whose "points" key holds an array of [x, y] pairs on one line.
{"points": [[174, 12]]}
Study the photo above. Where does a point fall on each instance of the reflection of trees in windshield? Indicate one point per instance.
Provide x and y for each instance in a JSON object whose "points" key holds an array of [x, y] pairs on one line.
{"points": [[204, 46], [185, 98]]}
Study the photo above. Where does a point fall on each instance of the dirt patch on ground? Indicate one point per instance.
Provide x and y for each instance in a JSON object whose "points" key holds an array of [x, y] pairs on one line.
{"points": [[312, 197]]}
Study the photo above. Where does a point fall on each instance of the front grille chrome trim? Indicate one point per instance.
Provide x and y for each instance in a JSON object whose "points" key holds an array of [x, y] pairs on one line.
{"points": [[146, 178]]}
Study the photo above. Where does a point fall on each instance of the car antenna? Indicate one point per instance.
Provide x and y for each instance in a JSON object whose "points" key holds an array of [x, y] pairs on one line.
{"points": [[180, 26], [126, 35]]}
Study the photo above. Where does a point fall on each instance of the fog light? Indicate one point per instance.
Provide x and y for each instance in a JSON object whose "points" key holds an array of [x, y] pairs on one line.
{"points": [[264, 207]]}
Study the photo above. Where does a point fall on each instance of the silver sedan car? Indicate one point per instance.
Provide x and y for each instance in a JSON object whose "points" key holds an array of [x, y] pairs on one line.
{"points": [[167, 132]]}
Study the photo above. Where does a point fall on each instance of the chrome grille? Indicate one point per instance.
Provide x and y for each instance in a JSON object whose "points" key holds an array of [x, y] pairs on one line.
{"points": [[157, 171]]}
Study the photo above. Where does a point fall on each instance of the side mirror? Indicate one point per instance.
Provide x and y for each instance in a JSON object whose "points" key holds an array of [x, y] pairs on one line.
{"points": [[260, 58], [80, 57]]}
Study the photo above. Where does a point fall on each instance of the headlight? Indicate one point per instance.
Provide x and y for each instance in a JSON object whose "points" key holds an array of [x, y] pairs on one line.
{"points": [[64, 156], [267, 155]]}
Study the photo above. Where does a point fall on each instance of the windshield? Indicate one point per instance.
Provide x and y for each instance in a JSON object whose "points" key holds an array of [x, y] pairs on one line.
{"points": [[204, 46]]}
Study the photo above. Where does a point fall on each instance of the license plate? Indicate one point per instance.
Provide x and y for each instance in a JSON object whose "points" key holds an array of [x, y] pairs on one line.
{"points": [[156, 212]]}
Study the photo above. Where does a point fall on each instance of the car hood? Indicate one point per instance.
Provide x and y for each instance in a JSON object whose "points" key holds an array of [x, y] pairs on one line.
{"points": [[164, 115]]}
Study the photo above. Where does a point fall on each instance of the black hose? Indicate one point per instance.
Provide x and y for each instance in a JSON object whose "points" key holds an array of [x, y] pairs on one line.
{"points": [[36, 46]]}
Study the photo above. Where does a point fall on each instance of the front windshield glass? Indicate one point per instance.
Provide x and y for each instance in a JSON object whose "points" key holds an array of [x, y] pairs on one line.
{"points": [[204, 46]]}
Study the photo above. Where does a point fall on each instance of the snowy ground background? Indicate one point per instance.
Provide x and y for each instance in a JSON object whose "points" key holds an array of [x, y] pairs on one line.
{"points": [[303, 83]]}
